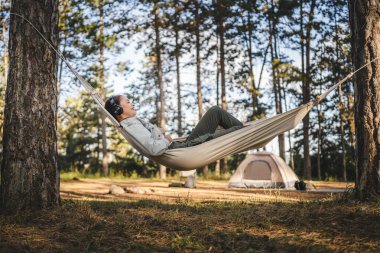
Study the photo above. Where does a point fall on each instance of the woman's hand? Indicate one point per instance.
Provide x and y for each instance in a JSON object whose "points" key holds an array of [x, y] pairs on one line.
{"points": [[163, 130], [169, 138]]}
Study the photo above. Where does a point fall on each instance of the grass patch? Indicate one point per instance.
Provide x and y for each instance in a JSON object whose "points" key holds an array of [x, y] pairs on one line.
{"points": [[186, 226]]}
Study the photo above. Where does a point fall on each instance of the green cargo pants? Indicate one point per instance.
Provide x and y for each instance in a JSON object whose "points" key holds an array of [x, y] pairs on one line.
{"points": [[206, 127]]}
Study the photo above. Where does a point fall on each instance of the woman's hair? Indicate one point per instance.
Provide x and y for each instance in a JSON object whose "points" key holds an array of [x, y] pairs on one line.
{"points": [[111, 108]]}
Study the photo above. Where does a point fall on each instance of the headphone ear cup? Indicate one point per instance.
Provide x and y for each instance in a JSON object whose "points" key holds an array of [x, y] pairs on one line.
{"points": [[118, 110]]}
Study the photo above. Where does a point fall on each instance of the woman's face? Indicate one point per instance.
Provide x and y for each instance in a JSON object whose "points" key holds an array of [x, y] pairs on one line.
{"points": [[128, 107]]}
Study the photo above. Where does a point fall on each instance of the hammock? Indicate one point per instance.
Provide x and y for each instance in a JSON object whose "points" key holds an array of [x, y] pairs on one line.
{"points": [[254, 135]]}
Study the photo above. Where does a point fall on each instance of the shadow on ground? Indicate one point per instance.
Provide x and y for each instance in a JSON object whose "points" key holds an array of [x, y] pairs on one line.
{"points": [[186, 226]]}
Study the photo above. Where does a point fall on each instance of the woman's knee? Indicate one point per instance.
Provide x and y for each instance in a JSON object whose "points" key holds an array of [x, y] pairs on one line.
{"points": [[215, 108]]}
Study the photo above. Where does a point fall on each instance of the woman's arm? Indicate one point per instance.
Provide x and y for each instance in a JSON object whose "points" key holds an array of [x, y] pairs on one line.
{"points": [[153, 142]]}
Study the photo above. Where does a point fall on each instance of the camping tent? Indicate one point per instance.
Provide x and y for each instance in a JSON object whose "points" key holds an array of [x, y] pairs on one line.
{"points": [[263, 169]]}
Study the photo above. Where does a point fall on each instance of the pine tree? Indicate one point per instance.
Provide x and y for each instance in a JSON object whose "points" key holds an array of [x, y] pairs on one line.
{"points": [[365, 24], [31, 103]]}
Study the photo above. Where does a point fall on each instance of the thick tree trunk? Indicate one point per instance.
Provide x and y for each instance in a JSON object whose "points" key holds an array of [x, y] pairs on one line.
{"points": [[365, 29], [161, 116], [30, 176], [102, 89]]}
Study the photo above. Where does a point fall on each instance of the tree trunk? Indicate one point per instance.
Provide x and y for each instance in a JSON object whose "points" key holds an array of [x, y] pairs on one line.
{"points": [[217, 168], [217, 164], [291, 158], [30, 176], [341, 130], [307, 163], [222, 64], [341, 104], [254, 91], [277, 83], [275, 79], [198, 66], [102, 89], [179, 104], [319, 142], [365, 30], [306, 92], [223, 164], [198, 58], [161, 116]]}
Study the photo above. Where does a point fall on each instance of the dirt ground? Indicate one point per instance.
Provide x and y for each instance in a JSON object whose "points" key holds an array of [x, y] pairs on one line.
{"points": [[210, 218], [98, 189]]}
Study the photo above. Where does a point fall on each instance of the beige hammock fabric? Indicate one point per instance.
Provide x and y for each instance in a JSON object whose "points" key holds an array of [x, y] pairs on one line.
{"points": [[254, 135]]}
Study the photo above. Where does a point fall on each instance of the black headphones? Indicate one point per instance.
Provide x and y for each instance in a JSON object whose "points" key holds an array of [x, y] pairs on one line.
{"points": [[116, 109]]}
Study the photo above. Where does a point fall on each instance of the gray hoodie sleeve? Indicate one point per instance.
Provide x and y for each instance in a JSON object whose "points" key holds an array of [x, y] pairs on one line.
{"points": [[153, 142]]}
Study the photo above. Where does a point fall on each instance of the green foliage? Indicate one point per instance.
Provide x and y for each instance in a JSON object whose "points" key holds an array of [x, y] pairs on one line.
{"points": [[79, 135], [250, 96]]}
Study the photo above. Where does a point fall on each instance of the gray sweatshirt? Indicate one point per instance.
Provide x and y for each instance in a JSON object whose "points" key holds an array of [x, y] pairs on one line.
{"points": [[150, 138]]}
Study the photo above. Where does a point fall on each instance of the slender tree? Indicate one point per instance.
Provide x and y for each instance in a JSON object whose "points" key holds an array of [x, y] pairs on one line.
{"points": [[306, 44], [273, 19], [158, 45], [30, 176]]}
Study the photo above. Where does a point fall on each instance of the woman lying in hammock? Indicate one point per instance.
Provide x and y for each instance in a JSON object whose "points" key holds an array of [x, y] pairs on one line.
{"points": [[154, 141]]}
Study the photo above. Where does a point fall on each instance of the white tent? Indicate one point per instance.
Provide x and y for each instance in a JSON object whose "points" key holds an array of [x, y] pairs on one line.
{"points": [[263, 169]]}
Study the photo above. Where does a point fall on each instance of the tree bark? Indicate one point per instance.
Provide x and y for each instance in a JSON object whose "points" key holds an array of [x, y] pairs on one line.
{"points": [[161, 116], [30, 176], [365, 39]]}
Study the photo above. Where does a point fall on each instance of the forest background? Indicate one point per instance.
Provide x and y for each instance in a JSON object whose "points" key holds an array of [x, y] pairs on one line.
{"points": [[176, 59]]}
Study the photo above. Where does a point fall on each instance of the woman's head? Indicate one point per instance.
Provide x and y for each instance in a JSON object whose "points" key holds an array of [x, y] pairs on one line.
{"points": [[120, 107]]}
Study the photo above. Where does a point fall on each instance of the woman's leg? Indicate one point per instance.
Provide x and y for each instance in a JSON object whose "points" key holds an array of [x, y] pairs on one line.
{"points": [[213, 118]]}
